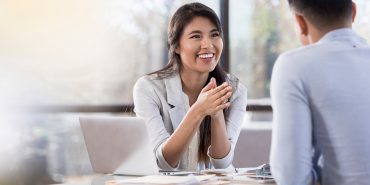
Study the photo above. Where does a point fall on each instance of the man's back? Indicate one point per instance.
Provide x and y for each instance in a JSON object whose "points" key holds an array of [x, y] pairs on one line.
{"points": [[327, 86]]}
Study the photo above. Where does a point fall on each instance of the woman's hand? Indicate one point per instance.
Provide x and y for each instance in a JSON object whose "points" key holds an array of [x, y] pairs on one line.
{"points": [[213, 99]]}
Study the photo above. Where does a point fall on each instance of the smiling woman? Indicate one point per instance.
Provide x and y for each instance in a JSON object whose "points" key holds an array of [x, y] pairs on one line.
{"points": [[193, 109], [200, 46]]}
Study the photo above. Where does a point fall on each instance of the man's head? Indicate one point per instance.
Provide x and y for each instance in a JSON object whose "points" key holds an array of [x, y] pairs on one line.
{"points": [[322, 15]]}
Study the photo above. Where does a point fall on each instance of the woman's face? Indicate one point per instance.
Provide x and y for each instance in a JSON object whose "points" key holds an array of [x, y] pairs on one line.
{"points": [[200, 46]]}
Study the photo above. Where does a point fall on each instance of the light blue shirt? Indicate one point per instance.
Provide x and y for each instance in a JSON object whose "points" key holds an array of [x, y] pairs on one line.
{"points": [[321, 102]]}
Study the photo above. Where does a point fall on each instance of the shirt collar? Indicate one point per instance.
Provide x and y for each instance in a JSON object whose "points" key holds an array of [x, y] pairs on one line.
{"points": [[344, 35]]}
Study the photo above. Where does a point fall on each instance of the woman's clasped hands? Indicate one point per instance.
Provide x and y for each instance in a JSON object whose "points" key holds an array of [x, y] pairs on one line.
{"points": [[213, 99]]}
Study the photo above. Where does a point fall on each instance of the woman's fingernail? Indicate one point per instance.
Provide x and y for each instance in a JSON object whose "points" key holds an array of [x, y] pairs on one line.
{"points": [[210, 81]]}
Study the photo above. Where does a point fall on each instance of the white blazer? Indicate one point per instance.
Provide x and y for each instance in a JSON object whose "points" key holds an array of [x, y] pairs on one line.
{"points": [[160, 102]]}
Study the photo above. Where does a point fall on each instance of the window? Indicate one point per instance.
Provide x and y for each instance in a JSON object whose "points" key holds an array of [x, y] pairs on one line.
{"points": [[84, 52], [260, 30], [74, 52]]}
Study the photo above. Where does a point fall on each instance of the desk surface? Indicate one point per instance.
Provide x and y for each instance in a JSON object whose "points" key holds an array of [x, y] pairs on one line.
{"points": [[92, 179], [101, 180]]}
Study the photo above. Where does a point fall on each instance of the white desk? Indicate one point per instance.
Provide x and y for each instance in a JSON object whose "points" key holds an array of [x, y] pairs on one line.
{"points": [[101, 180]]}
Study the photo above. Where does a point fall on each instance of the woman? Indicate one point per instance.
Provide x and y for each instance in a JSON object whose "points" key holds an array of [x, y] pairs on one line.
{"points": [[192, 108]]}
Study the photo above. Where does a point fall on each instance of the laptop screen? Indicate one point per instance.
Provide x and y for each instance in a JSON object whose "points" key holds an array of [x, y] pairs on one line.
{"points": [[118, 145]]}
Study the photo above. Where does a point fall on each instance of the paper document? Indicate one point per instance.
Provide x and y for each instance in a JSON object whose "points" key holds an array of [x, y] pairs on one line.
{"points": [[255, 175], [219, 171], [163, 179], [248, 180]]}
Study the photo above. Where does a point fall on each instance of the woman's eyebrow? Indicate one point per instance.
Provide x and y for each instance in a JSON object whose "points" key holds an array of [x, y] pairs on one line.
{"points": [[195, 31], [199, 32]]}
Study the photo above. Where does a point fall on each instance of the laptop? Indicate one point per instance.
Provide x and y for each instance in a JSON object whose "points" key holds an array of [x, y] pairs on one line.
{"points": [[118, 145]]}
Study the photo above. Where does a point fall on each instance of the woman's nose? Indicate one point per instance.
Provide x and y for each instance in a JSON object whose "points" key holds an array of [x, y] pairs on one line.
{"points": [[206, 43]]}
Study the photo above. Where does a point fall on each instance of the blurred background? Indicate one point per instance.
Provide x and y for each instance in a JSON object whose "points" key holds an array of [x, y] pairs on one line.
{"points": [[60, 59]]}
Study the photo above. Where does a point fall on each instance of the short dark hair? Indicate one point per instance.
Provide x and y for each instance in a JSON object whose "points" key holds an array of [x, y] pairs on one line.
{"points": [[323, 13]]}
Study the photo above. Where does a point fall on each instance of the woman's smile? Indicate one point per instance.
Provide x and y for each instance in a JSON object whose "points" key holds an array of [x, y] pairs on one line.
{"points": [[206, 57]]}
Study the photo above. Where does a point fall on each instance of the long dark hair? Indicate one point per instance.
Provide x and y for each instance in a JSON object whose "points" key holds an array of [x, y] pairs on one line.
{"points": [[181, 18]]}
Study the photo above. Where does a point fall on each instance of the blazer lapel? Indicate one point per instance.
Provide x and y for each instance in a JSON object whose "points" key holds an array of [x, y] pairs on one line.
{"points": [[175, 100]]}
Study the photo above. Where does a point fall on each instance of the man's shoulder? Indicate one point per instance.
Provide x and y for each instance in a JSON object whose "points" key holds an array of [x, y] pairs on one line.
{"points": [[303, 52], [302, 57]]}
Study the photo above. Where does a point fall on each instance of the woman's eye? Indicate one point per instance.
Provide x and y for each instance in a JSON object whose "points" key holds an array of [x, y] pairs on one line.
{"points": [[215, 34], [195, 36]]}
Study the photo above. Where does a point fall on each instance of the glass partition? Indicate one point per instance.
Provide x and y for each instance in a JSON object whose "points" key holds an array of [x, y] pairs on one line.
{"points": [[260, 30]]}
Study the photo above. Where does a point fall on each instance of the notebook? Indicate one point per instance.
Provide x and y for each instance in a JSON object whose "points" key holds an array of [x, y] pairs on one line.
{"points": [[118, 145]]}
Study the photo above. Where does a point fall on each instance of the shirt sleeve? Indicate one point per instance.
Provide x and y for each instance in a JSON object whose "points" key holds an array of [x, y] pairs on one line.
{"points": [[234, 122], [291, 148], [147, 106]]}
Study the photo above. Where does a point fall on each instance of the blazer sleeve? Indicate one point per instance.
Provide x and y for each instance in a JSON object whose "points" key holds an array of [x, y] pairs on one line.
{"points": [[147, 105], [237, 113]]}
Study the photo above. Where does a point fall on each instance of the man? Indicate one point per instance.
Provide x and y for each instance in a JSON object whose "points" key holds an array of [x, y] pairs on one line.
{"points": [[321, 100]]}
